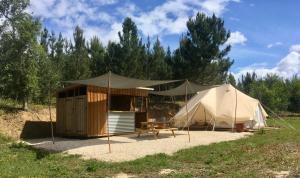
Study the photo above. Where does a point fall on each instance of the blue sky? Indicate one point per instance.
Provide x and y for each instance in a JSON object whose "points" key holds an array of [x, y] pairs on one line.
{"points": [[265, 35]]}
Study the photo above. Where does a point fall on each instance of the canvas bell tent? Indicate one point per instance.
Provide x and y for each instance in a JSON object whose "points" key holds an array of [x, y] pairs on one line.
{"points": [[222, 107]]}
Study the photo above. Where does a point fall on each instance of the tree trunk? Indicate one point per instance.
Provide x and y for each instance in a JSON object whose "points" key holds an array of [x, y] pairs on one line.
{"points": [[25, 104]]}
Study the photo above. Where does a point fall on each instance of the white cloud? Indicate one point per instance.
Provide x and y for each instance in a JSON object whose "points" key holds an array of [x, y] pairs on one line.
{"points": [[286, 67], [295, 47], [171, 16], [236, 38], [98, 17], [104, 2], [215, 6], [271, 45], [64, 15]]}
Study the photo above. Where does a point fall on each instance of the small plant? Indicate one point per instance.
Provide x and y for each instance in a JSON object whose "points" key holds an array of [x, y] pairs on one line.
{"points": [[92, 166]]}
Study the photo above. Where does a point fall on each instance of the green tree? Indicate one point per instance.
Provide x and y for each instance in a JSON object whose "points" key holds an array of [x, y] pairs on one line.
{"points": [[169, 58], [159, 69], [97, 54], [45, 39], [19, 35], [148, 58], [77, 63], [126, 57], [202, 54], [272, 92], [48, 77], [231, 79], [52, 42], [247, 80], [294, 100]]}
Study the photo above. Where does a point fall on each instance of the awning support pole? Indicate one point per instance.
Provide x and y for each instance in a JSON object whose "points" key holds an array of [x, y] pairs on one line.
{"points": [[108, 109], [187, 113], [50, 115]]}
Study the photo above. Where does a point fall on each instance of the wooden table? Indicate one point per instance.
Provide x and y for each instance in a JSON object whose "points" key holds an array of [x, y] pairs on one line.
{"points": [[155, 128]]}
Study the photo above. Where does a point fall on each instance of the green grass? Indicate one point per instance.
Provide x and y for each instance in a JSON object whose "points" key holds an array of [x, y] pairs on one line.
{"points": [[255, 156]]}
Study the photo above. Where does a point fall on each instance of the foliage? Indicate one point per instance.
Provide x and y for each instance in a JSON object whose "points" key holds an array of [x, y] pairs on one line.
{"points": [[126, 57], [97, 56], [19, 51], [202, 54], [157, 63], [274, 92], [293, 86], [231, 80], [77, 63]]}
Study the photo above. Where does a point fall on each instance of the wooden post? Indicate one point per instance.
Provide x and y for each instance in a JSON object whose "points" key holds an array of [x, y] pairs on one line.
{"points": [[233, 124], [108, 109], [50, 115], [186, 108], [147, 100]]}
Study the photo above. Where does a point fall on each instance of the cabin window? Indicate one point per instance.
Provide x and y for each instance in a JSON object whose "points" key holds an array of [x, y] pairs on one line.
{"points": [[62, 95], [120, 103], [70, 93], [82, 90]]}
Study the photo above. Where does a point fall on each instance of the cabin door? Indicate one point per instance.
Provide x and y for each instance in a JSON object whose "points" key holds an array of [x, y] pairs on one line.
{"points": [[69, 115], [80, 115]]}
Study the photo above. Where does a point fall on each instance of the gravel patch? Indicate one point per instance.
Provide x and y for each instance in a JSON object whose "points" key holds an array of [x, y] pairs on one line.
{"points": [[129, 147]]}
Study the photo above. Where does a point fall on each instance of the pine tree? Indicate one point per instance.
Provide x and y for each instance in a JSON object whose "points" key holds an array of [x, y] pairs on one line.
{"points": [[202, 52], [148, 58], [77, 63], [231, 79], [129, 58], [97, 54], [52, 42], [45, 39], [159, 69]]}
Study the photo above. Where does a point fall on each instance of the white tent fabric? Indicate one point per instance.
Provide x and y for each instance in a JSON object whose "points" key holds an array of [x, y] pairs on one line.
{"points": [[222, 106]]}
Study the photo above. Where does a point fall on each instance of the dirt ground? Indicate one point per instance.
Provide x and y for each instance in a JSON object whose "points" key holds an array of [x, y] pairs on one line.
{"points": [[36, 123], [129, 147], [16, 124]]}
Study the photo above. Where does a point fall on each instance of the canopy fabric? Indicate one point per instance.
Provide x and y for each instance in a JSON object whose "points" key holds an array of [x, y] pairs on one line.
{"points": [[191, 87], [222, 106], [118, 81]]}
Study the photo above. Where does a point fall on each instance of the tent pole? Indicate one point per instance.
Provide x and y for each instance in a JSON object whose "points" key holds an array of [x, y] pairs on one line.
{"points": [[186, 108], [50, 115], [204, 116], [205, 119], [108, 109], [233, 124]]}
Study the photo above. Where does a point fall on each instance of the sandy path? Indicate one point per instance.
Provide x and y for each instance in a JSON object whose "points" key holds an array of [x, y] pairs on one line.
{"points": [[125, 148]]}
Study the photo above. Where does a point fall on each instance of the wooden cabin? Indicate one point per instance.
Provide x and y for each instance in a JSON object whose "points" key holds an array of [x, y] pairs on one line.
{"points": [[82, 111]]}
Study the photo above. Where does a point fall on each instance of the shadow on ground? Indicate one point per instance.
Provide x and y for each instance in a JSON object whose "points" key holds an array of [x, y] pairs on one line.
{"points": [[37, 129]]}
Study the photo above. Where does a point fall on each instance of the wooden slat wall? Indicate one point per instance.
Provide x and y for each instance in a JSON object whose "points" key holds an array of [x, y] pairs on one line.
{"points": [[69, 116], [60, 116], [80, 115], [96, 112]]}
